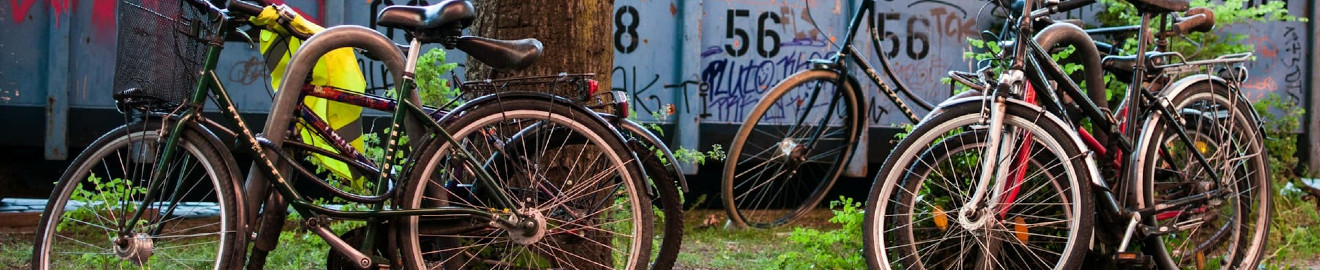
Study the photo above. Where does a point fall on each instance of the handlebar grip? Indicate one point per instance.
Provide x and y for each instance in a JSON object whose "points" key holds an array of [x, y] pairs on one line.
{"points": [[1074, 4], [244, 7], [1199, 19]]}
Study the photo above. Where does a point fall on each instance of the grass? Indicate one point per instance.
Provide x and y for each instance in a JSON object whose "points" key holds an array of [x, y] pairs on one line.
{"points": [[719, 248], [703, 247], [1294, 240]]}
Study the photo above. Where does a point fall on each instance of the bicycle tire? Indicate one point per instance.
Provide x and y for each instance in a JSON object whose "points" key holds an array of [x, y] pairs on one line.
{"points": [[889, 227], [477, 124], [1236, 137], [790, 155], [663, 179], [136, 145]]}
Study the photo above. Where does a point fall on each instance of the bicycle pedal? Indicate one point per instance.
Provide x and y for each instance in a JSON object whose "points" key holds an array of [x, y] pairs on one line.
{"points": [[1132, 260]]}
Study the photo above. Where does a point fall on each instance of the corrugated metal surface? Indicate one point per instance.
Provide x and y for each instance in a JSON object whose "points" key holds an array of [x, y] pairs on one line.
{"points": [[685, 56]]}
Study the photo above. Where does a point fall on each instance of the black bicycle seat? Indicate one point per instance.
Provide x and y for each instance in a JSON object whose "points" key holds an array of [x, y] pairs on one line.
{"points": [[428, 17], [1160, 6], [1123, 65], [502, 54]]}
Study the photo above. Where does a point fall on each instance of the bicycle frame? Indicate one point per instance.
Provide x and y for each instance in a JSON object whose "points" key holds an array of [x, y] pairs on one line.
{"points": [[1028, 55], [849, 52], [210, 85]]}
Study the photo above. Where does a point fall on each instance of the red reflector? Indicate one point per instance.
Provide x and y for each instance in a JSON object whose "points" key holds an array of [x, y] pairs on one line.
{"points": [[592, 87], [621, 98]]}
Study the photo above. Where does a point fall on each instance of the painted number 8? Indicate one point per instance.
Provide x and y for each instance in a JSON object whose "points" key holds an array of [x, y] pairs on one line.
{"points": [[620, 29]]}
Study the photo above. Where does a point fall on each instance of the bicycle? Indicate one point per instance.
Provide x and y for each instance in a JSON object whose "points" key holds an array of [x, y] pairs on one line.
{"points": [[1015, 175], [792, 162], [471, 204]]}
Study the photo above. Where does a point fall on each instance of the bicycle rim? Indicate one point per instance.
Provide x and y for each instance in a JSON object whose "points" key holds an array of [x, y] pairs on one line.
{"points": [[1229, 231], [790, 150], [557, 167], [109, 182], [917, 219]]}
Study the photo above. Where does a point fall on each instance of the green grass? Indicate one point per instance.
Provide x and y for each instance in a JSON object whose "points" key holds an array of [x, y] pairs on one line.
{"points": [[15, 251], [719, 248]]}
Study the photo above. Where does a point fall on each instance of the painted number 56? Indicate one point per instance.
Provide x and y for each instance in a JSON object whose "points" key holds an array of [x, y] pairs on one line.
{"points": [[767, 40]]}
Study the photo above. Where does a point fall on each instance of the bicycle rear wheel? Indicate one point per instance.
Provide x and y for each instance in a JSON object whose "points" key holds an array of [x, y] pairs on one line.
{"points": [[192, 223], [664, 177], [1228, 231], [789, 151], [561, 166], [915, 216]]}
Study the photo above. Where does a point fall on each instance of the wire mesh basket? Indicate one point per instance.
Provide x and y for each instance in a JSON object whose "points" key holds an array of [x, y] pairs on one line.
{"points": [[576, 87], [159, 55]]}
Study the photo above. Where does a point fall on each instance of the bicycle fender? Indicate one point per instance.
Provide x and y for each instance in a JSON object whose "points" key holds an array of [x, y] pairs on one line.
{"points": [[220, 149], [651, 138], [1075, 139], [495, 99], [1181, 85], [856, 88]]}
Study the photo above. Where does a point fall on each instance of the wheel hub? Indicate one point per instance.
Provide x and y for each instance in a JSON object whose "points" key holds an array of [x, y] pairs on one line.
{"points": [[137, 248], [530, 229], [974, 219], [792, 151]]}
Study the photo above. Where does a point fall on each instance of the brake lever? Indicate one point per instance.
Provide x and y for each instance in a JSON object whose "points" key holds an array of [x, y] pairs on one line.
{"points": [[252, 44]]}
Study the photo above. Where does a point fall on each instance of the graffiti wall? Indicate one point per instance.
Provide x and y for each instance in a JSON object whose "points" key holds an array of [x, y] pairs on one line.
{"points": [[1281, 54], [684, 62]]}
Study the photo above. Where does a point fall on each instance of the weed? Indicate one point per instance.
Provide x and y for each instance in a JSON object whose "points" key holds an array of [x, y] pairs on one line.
{"points": [[831, 249]]}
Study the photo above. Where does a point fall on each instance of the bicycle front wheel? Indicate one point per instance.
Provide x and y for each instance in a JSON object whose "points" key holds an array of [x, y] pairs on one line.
{"points": [[561, 167], [923, 213], [789, 151], [191, 222], [1229, 230]]}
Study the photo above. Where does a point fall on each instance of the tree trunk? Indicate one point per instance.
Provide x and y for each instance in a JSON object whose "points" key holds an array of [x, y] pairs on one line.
{"points": [[576, 35]]}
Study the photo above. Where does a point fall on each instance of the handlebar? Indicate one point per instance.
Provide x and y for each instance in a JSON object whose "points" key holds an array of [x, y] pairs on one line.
{"points": [[244, 8], [278, 18], [1199, 19], [1071, 5]]}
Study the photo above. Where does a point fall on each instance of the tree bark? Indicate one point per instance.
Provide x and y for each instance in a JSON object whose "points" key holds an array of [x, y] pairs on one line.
{"points": [[576, 35], [576, 38]]}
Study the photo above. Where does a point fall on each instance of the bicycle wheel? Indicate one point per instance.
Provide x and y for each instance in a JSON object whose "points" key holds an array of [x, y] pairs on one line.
{"points": [[192, 222], [1228, 231], [790, 150], [564, 168], [664, 182], [923, 214]]}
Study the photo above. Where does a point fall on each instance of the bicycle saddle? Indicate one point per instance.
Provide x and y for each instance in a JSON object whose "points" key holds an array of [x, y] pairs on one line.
{"points": [[428, 17], [502, 54], [1123, 65]]}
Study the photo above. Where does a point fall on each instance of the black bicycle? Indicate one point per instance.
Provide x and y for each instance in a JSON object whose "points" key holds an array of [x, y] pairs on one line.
{"points": [[799, 138], [513, 179], [1014, 179]]}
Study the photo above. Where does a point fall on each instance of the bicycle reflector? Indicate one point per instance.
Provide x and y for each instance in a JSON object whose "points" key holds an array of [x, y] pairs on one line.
{"points": [[592, 87], [622, 98]]}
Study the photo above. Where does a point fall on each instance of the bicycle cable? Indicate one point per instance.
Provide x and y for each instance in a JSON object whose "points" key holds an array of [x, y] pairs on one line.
{"points": [[812, 19]]}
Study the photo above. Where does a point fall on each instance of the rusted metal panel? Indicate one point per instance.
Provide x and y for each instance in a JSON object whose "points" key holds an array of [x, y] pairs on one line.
{"points": [[57, 89]]}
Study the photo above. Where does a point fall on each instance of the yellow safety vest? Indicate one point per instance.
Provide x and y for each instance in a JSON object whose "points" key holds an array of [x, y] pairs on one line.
{"points": [[338, 68]]}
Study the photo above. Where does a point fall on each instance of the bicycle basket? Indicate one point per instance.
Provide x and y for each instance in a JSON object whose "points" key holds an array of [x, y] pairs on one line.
{"points": [[575, 87], [159, 56]]}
